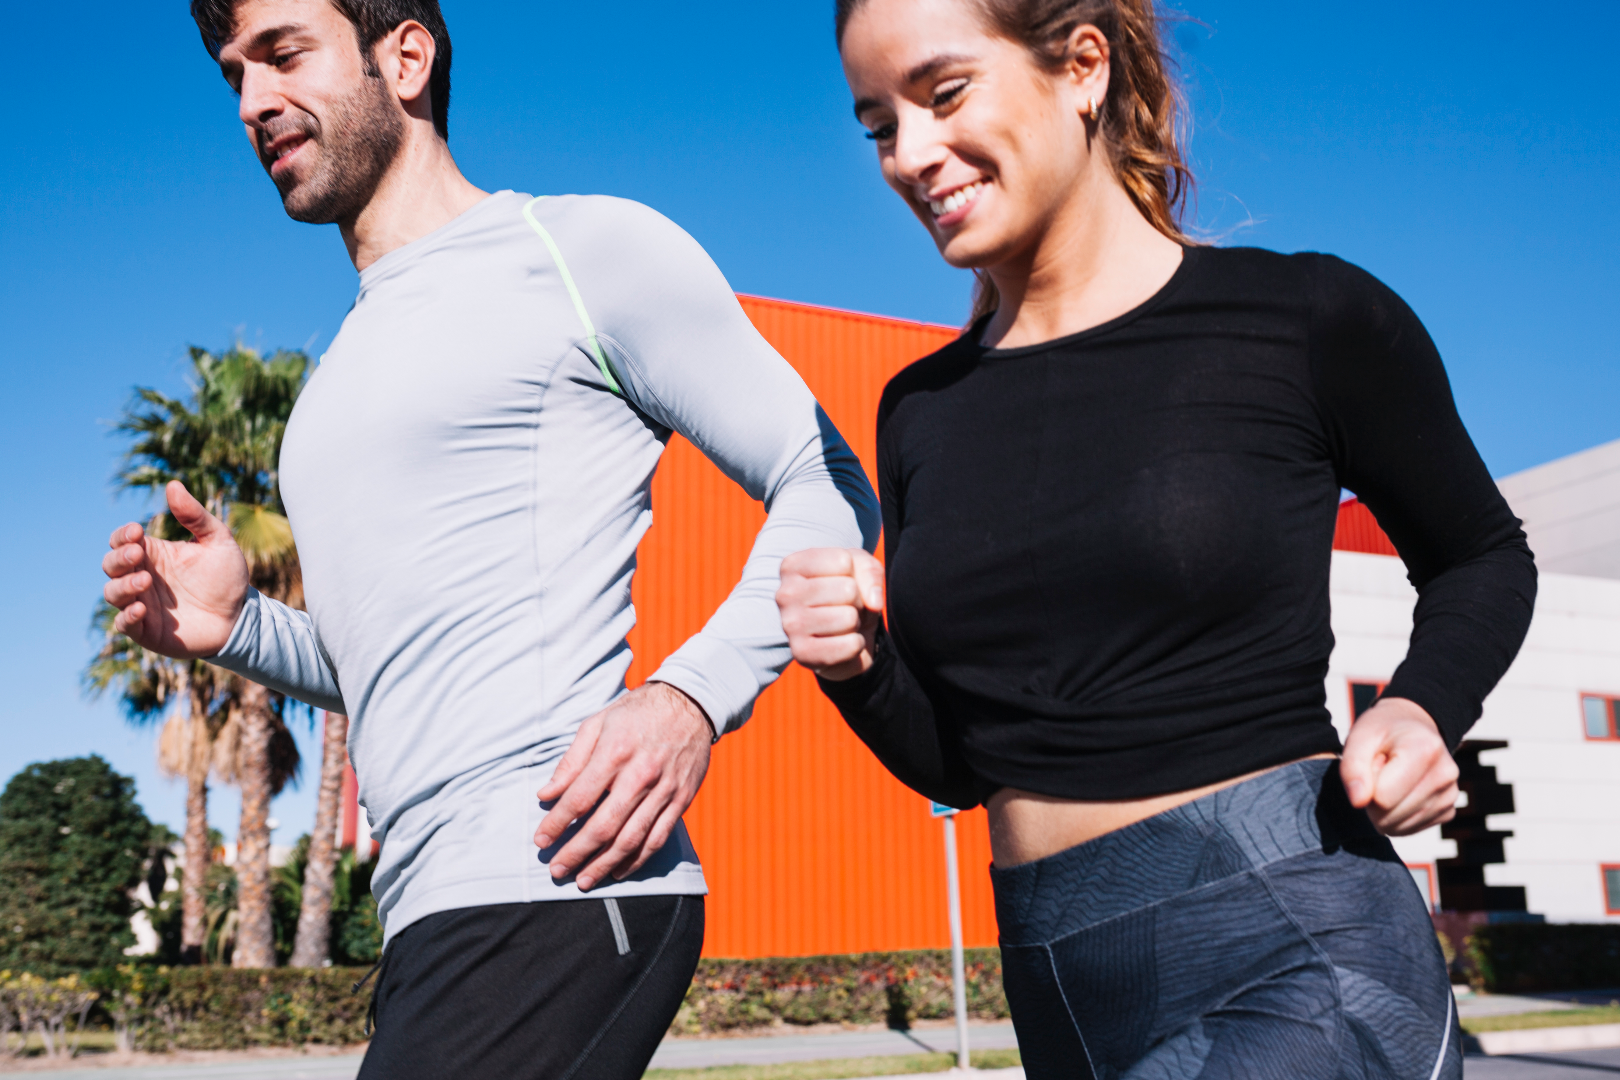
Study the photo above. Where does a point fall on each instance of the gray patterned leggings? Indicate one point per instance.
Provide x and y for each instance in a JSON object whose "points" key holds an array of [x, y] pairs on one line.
{"points": [[1265, 932]]}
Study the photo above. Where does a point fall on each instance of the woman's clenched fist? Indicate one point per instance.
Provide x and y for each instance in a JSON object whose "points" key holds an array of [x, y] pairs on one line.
{"points": [[832, 605]]}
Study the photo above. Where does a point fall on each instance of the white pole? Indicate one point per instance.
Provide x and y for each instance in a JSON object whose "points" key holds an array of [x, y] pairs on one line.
{"points": [[958, 973]]}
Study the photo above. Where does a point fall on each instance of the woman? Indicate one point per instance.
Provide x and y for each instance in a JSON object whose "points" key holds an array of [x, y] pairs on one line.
{"points": [[1108, 510]]}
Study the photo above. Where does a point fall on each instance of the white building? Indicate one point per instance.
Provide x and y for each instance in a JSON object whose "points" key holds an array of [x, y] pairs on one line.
{"points": [[1557, 709]]}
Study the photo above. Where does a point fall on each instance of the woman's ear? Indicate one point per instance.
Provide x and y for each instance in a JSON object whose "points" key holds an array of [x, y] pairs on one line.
{"points": [[1086, 66]]}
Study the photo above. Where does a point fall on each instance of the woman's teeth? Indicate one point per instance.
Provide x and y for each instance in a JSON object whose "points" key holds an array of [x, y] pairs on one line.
{"points": [[955, 200]]}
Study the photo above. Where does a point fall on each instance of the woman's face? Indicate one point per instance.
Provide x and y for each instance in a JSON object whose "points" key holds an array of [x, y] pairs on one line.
{"points": [[984, 145]]}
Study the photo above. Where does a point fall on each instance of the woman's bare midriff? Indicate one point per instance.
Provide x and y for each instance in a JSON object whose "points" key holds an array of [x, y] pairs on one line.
{"points": [[1025, 826]]}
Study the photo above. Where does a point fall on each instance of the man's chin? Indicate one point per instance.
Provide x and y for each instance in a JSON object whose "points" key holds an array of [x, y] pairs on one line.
{"points": [[306, 202]]}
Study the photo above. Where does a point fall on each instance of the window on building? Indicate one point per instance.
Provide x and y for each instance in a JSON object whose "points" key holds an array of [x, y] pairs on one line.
{"points": [[1423, 875], [1602, 716], [1611, 889], [1363, 695]]}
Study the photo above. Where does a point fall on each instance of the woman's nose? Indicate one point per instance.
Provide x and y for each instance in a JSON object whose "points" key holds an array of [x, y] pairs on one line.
{"points": [[918, 149]]}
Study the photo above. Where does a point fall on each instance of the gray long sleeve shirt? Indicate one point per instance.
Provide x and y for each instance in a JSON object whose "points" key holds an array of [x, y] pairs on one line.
{"points": [[467, 475]]}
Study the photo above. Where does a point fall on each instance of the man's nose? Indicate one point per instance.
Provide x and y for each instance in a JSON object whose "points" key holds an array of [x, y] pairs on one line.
{"points": [[259, 101]]}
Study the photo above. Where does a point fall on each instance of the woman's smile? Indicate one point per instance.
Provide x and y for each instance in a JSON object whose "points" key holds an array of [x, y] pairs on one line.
{"points": [[952, 205]]}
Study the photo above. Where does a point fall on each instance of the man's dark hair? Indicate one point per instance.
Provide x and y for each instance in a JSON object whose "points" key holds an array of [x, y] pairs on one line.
{"points": [[373, 20]]}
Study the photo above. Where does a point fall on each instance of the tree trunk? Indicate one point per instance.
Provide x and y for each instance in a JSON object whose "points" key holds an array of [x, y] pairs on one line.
{"points": [[255, 936], [313, 945], [199, 855], [193, 917]]}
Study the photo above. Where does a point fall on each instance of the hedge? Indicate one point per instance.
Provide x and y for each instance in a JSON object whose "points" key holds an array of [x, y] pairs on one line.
{"points": [[867, 988], [1510, 958], [222, 1008], [217, 1008]]}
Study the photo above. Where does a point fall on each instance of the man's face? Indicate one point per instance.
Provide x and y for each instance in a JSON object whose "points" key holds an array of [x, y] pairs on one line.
{"points": [[325, 127]]}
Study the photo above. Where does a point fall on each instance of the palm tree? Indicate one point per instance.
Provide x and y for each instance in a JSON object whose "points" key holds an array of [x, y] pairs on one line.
{"points": [[312, 943], [148, 685], [256, 752], [225, 446]]}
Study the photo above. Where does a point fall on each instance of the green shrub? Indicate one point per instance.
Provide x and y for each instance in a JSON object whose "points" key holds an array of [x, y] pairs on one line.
{"points": [[1527, 957], [32, 1005], [73, 845], [129, 995]]}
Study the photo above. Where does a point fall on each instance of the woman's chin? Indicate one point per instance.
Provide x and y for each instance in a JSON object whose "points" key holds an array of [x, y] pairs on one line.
{"points": [[964, 253]]}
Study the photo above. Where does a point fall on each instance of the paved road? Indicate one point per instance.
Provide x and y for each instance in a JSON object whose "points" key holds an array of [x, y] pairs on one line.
{"points": [[323, 1068], [694, 1053], [1575, 1065]]}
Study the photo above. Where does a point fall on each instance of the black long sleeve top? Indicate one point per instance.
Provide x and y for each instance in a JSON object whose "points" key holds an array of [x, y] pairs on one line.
{"points": [[1108, 554]]}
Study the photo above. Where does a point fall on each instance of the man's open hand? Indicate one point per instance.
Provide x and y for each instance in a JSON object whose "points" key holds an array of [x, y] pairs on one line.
{"points": [[177, 599], [1396, 765], [648, 753]]}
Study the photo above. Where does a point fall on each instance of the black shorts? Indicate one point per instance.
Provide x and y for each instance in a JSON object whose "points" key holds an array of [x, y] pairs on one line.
{"points": [[557, 990]]}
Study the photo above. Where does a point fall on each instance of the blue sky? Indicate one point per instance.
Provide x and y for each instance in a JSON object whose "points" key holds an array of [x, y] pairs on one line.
{"points": [[1464, 152]]}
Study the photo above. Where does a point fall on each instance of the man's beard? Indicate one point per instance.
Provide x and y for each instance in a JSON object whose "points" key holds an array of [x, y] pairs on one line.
{"points": [[357, 144]]}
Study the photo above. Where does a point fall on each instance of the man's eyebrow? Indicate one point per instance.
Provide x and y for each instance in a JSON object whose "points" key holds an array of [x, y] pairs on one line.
{"points": [[917, 74], [270, 35]]}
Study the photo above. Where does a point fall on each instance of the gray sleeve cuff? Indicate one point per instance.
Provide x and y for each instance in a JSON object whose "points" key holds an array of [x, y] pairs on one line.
{"points": [[275, 646], [716, 676]]}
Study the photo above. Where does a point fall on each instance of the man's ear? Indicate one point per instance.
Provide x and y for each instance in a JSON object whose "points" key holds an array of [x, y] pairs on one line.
{"points": [[411, 50]]}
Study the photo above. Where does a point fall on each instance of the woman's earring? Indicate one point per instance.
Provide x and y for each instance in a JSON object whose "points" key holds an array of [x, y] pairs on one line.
{"points": [[1094, 112]]}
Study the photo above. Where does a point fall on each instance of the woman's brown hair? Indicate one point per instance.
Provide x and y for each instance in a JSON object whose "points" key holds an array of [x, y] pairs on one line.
{"points": [[1142, 115]]}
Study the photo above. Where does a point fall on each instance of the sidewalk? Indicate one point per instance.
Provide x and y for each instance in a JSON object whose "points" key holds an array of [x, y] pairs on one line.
{"points": [[770, 1049], [673, 1054], [1471, 1006]]}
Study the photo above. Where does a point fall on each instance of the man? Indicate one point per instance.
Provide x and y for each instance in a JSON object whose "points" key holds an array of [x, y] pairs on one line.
{"points": [[467, 477]]}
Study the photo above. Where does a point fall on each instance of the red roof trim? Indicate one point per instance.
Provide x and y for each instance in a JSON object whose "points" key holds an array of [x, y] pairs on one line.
{"points": [[858, 316]]}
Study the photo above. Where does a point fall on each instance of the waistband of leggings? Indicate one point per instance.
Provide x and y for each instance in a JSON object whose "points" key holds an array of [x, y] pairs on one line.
{"points": [[1283, 813]]}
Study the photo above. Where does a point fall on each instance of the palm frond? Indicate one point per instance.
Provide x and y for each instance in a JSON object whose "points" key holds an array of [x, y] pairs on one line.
{"points": [[264, 535], [145, 682], [223, 441], [226, 747]]}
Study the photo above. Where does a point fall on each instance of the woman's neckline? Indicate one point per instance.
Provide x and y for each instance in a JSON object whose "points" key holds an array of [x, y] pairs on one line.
{"points": [[975, 333]]}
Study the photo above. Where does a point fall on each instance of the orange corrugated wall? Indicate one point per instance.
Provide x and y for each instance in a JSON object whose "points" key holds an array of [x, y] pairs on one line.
{"points": [[809, 845]]}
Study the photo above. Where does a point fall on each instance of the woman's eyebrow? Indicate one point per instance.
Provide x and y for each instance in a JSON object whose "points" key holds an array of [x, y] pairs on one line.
{"points": [[917, 74], [932, 65]]}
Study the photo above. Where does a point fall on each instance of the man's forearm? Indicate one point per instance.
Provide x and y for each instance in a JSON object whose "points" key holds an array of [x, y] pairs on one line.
{"points": [[824, 501]]}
